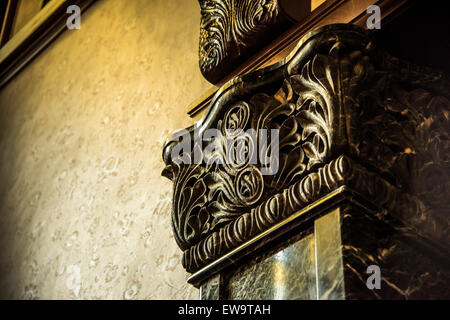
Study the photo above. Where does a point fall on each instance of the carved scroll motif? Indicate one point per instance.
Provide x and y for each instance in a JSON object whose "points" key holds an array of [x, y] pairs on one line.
{"points": [[229, 30], [348, 114]]}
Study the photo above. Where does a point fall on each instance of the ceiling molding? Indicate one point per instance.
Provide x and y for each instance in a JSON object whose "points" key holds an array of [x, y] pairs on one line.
{"points": [[35, 36]]}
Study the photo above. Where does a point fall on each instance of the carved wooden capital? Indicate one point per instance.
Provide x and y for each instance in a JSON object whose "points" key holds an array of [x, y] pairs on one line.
{"points": [[232, 30], [348, 115]]}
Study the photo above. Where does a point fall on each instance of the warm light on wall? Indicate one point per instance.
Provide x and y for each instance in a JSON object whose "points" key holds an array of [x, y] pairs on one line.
{"points": [[316, 3]]}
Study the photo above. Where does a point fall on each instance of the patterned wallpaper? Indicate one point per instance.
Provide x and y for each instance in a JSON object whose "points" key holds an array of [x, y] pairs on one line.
{"points": [[84, 212]]}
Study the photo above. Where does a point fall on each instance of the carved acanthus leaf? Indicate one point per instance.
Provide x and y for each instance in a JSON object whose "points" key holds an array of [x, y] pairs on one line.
{"points": [[347, 114]]}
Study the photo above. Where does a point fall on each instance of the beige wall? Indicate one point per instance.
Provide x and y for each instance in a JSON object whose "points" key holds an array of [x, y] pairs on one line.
{"points": [[84, 212], [316, 3]]}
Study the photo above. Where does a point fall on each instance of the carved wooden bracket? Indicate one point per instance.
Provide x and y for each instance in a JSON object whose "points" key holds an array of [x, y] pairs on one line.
{"points": [[232, 30], [348, 114]]}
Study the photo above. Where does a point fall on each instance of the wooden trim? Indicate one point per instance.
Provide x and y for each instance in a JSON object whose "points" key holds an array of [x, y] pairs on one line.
{"points": [[6, 27], [44, 2], [36, 35], [331, 11]]}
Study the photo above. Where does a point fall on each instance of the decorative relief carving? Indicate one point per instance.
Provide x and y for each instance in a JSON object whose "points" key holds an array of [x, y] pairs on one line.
{"points": [[347, 114], [229, 29]]}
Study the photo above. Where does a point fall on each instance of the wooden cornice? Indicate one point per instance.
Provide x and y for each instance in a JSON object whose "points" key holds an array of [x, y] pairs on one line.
{"points": [[35, 36]]}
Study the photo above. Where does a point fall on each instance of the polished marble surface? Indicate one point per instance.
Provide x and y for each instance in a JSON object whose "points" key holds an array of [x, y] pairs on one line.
{"points": [[411, 267], [330, 262], [330, 279], [211, 289], [288, 274]]}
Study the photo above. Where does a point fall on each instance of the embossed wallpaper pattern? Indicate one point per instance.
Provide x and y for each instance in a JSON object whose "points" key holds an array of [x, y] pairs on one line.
{"points": [[84, 212]]}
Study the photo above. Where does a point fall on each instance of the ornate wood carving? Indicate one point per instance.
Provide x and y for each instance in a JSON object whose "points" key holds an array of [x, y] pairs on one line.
{"points": [[348, 114], [229, 30], [328, 12]]}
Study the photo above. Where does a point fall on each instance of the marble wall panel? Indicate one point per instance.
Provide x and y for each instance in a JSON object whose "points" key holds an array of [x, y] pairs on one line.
{"points": [[328, 246], [288, 274]]}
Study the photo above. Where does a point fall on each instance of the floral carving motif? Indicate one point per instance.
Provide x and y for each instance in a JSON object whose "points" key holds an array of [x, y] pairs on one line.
{"points": [[229, 29], [346, 97]]}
